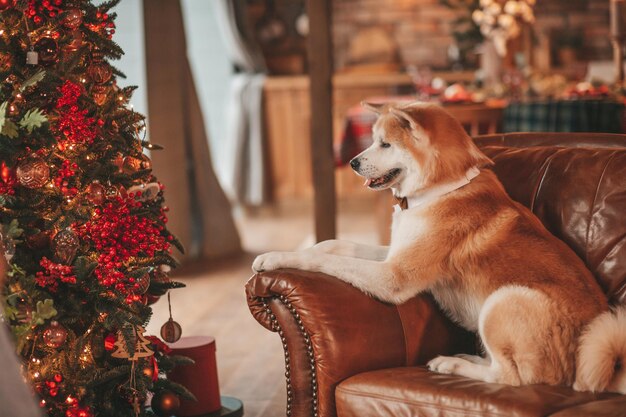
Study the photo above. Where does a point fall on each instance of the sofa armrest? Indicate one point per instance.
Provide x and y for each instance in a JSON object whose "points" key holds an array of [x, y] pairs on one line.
{"points": [[331, 331]]}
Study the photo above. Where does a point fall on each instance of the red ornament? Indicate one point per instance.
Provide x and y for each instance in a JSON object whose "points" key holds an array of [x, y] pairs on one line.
{"points": [[109, 342], [6, 4], [54, 336], [7, 180]]}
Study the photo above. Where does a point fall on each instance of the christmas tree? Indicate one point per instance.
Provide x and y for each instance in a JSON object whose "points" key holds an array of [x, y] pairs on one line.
{"points": [[81, 214]]}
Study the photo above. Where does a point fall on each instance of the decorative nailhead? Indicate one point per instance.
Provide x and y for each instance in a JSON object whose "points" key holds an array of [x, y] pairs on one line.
{"points": [[309, 350]]}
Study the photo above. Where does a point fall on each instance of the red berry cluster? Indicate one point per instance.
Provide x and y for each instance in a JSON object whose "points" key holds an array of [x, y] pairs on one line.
{"points": [[64, 175], [119, 235], [73, 123], [51, 386], [38, 10], [53, 274], [7, 180], [76, 411], [106, 23]]}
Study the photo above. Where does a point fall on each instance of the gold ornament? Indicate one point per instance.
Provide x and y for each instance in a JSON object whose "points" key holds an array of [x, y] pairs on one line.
{"points": [[100, 72], [141, 345], [99, 94], [95, 193], [76, 42], [72, 19], [33, 172], [171, 331], [65, 245]]}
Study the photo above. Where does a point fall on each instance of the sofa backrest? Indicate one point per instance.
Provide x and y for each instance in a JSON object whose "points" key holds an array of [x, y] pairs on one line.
{"points": [[576, 185]]}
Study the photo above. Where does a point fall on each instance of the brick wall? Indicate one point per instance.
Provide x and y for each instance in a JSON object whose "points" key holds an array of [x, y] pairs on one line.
{"points": [[421, 28]]}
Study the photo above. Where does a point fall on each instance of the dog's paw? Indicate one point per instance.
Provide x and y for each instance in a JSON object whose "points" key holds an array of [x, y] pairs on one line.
{"points": [[272, 260], [444, 364]]}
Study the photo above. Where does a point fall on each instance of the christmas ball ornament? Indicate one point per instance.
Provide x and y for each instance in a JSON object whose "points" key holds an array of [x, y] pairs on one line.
{"points": [[48, 50], [99, 94], [171, 331], [100, 72], [109, 342], [6, 4], [65, 245], [131, 165], [76, 41], [165, 403], [95, 193], [72, 19], [54, 335], [33, 172]]}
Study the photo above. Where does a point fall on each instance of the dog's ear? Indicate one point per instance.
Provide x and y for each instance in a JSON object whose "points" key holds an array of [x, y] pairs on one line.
{"points": [[405, 118], [376, 108]]}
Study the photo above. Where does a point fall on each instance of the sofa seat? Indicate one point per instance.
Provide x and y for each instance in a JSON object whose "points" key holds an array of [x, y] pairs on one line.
{"points": [[415, 391]]}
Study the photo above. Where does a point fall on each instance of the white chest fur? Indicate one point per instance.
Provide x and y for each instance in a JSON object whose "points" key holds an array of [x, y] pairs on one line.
{"points": [[460, 304], [407, 227]]}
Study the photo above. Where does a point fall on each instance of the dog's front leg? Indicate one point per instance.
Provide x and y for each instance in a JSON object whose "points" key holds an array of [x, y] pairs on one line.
{"points": [[373, 277], [353, 250]]}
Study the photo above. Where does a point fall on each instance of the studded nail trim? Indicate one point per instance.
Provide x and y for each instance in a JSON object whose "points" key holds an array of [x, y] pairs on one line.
{"points": [[309, 350]]}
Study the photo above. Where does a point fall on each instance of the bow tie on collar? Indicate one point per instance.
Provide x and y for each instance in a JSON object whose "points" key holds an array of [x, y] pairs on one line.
{"points": [[435, 192]]}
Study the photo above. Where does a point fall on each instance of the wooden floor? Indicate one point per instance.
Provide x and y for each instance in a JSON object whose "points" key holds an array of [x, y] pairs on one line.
{"points": [[250, 358]]}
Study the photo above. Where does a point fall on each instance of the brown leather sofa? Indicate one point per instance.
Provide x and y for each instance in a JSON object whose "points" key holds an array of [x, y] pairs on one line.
{"points": [[349, 355]]}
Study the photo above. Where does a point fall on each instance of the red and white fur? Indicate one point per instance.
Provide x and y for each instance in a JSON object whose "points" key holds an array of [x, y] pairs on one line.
{"points": [[487, 260]]}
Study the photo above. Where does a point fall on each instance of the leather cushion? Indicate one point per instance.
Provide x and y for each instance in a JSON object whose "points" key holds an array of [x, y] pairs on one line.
{"points": [[613, 407], [407, 392], [580, 196]]}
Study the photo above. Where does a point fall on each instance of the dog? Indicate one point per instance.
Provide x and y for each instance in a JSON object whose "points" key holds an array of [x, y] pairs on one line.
{"points": [[487, 260]]}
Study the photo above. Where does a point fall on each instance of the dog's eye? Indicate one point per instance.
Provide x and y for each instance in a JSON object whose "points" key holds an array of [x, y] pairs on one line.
{"points": [[385, 145]]}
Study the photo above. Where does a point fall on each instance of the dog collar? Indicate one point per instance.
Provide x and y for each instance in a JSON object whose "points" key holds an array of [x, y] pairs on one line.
{"points": [[435, 192]]}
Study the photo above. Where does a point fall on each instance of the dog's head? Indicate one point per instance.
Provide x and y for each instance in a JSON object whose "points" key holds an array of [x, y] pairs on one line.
{"points": [[415, 147]]}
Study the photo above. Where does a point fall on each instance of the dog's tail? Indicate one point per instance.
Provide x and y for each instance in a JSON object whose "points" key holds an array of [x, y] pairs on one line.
{"points": [[601, 362]]}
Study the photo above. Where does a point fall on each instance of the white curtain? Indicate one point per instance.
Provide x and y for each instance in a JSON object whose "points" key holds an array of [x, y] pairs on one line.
{"points": [[246, 181]]}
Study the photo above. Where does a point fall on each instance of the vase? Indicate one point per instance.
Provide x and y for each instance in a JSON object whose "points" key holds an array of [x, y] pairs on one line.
{"points": [[491, 63]]}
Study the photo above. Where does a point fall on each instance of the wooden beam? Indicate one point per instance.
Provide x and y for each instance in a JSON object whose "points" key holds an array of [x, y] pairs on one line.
{"points": [[320, 73]]}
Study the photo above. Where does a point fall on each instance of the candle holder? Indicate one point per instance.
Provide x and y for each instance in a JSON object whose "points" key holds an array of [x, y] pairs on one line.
{"points": [[618, 25]]}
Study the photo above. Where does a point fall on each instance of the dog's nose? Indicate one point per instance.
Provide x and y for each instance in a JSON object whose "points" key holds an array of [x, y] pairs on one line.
{"points": [[355, 164]]}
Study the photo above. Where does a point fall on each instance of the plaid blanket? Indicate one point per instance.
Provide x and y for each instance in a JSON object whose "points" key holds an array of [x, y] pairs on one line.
{"points": [[564, 116]]}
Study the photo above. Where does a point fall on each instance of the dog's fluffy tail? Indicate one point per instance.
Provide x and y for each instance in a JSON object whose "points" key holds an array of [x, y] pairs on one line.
{"points": [[601, 362]]}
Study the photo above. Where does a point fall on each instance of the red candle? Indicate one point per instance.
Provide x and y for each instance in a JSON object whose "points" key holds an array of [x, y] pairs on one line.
{"points": [[199, 378]]}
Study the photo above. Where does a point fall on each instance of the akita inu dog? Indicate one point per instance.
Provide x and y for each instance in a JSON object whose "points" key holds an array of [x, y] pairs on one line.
{"points": [[487, 260]]}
